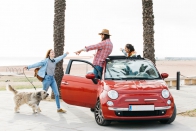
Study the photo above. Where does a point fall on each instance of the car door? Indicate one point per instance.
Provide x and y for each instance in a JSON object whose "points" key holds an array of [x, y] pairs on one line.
{"points": [[76, 89]]}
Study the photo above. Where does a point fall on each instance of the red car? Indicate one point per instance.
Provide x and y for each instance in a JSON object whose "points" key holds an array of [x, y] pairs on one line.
{"points": [[128, 89]]}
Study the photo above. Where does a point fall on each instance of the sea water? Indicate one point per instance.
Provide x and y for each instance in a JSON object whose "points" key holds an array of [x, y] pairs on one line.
{"points": [[20, 61]]}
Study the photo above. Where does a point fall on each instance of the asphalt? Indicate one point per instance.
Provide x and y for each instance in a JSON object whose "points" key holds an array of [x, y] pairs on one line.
{"points": [[82, 119]]}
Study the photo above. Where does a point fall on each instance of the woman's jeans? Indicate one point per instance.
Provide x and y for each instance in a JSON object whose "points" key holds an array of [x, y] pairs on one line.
{"points": [[95, 71], [50, 81]]}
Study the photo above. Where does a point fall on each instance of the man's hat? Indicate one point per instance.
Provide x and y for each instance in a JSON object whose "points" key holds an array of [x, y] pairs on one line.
{"points": [[105, 31]]}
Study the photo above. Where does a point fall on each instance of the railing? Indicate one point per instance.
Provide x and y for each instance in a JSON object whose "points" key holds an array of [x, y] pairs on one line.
{"points": [[14, 70], [172, 82]]}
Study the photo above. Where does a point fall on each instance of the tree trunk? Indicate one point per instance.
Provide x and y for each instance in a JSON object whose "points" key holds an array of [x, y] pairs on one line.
{"points": [[148, 31], [59, 23]]}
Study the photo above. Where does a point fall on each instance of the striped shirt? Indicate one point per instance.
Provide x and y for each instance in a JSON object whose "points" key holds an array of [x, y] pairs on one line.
{"points": [[104, 49]]}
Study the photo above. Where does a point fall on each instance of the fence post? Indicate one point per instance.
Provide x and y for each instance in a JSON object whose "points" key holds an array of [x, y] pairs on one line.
{"points": [[178, 81]]}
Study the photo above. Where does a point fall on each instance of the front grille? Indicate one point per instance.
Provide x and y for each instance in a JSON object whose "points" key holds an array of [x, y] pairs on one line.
{"points": [[140, 113]]}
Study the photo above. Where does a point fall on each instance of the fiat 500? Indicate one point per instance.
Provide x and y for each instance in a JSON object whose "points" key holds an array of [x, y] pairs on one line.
{"points": [[127, 89]]}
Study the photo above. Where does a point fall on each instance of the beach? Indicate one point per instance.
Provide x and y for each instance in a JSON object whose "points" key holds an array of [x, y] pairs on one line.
{"points": [[185, 67]]}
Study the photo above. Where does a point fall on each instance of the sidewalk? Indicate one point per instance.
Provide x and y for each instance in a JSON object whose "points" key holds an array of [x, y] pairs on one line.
{"points": [[185, 98], [81, 119]]}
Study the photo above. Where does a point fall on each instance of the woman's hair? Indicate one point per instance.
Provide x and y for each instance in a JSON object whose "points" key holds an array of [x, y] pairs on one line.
{"points": [[48, 53], [105, 37], [130, 47]]}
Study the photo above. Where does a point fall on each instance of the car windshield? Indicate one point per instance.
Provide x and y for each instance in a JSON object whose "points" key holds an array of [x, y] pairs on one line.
{"points": [[130, 69]]}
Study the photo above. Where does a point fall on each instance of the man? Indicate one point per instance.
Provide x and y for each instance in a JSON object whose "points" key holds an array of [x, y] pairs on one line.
{"points": [[104, 49]]}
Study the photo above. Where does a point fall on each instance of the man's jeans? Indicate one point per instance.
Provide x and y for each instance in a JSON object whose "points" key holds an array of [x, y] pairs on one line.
{"points": [[96, 73], [50, 81]]}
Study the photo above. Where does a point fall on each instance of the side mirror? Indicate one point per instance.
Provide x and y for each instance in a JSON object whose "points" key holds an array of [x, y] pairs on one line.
{"points": [[164, 75], [90, 76]]}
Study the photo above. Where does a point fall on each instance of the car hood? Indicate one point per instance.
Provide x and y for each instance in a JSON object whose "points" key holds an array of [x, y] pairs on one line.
{"points": [[136, 85]]}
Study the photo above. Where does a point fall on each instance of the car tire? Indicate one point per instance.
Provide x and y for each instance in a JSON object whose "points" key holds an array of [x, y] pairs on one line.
{"points": [[170, 120], [92, 110], [99, 116]]}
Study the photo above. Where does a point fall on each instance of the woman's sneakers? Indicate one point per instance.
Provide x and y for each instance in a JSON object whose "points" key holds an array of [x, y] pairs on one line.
{"points": [[61, 111]]}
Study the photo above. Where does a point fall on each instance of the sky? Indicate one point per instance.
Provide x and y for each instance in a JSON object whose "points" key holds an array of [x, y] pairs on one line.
{"points": [[26, 26]]}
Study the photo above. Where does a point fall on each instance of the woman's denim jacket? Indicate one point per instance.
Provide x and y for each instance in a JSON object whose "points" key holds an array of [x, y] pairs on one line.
{"points": [[43, 64]]}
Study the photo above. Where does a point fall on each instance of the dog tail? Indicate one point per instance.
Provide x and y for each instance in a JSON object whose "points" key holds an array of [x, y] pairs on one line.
{"points": [[10, 88]]}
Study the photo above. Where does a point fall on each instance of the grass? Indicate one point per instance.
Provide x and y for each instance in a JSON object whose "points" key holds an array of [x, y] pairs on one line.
{"points": [[18, 79], [19, 82], [3, 88], [191, 113]]}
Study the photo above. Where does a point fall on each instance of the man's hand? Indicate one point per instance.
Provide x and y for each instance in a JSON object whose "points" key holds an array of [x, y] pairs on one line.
{"points": [[67, 52], [78, 52]]}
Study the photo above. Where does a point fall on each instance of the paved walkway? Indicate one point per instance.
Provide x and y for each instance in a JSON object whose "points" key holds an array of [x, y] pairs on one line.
{"points": [[81, 119], [185, 98]]}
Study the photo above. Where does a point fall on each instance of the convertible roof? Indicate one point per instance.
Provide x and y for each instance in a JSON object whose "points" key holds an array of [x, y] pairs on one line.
{"points": [[138, 57]]}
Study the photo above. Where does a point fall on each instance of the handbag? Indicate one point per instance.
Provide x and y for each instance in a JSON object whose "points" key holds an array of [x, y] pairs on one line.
{"points": [[36, 74]]}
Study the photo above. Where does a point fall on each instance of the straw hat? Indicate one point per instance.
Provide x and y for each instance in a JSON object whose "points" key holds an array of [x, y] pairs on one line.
{"points": [[105, 31]]}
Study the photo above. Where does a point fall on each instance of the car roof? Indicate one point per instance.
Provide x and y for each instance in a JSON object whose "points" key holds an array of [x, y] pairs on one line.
{"points": [[138, 57]]}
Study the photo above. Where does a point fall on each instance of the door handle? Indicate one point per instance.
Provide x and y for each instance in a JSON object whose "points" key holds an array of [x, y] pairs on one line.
{"points": [[65, 83]]}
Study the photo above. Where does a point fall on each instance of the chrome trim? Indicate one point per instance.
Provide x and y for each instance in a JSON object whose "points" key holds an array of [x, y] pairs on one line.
{"points": [[117, 109], [150, 99], [131, 99], [126, 109], [162, 108]]}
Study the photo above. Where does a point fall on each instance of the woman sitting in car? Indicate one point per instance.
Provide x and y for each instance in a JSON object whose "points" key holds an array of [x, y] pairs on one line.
{"points": [[129, 50]]}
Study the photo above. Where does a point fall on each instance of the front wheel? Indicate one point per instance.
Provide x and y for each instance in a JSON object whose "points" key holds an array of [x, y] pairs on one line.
{"points": [[99, 116], [170, 120]]}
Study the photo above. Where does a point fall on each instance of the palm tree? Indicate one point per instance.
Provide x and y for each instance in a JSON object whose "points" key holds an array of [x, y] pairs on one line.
{"points": [[59, 24], [148, 31]]}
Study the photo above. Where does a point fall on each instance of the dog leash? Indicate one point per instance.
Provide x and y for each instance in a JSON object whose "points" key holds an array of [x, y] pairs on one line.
{"points": [[28, 79]]}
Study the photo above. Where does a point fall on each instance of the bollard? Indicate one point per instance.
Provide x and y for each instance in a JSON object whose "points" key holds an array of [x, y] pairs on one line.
{"points": [[178, 81]]}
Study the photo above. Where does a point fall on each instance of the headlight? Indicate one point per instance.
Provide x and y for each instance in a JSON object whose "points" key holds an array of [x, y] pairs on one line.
{"points": [[113, 94], [110, 103], [165, 93]]}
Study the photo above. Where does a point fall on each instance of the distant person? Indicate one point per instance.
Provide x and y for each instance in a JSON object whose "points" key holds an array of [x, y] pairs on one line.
{"points": [[129, 50], [104, 49], [46, 72]]}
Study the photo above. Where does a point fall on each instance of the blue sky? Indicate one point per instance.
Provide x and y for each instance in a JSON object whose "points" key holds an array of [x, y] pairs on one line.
{"points": [[26, 26]]}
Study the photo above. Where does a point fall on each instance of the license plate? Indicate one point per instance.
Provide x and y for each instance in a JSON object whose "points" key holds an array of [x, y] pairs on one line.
{"points": [[141, 107]]}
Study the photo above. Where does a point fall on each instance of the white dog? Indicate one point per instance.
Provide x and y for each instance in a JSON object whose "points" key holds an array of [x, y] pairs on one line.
{"points": [[30, 98]]}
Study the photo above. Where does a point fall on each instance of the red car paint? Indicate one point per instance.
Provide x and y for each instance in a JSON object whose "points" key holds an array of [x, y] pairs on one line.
{"points": [[84, 92]]}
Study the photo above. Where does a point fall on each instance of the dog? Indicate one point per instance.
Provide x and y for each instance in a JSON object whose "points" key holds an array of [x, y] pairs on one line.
{"points": [[30, 98]]}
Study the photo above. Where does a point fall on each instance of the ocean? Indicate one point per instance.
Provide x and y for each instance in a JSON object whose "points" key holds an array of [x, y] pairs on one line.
{"points": [[20, 61]]}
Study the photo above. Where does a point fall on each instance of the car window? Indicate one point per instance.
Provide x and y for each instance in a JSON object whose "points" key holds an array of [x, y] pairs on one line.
{"points": [[130, 69], [80, 68]]}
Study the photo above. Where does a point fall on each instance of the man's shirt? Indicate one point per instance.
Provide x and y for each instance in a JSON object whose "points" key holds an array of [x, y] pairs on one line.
{"points": [[104, 49]]}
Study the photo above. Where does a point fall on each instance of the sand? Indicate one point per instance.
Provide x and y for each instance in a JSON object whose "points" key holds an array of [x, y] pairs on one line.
{"points": [[185, 67]]}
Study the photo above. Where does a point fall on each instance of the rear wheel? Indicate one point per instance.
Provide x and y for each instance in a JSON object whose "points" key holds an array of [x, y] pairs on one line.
{"points": [[99, 116], [170, 120]]}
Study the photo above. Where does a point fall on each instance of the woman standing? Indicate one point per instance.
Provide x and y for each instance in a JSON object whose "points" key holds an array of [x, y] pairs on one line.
{"points": [[47, 71]]}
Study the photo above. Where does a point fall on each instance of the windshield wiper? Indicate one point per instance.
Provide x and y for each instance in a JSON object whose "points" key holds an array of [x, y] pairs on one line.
{"points": [[139, 78], [113, 78]]}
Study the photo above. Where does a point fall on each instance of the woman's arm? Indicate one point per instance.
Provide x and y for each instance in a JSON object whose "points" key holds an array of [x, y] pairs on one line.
{"points": [[59, 58], [124, 52], [41, 63]]}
